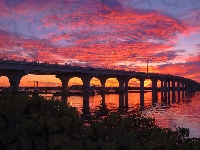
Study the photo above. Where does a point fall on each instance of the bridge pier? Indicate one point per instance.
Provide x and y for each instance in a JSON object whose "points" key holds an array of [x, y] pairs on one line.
{"points": [[154, 90], [165, 91], [168, 90], [121, 81], [103, 101], [103, 83], [173, 90], [86, 93], [126, 94], [86, 105], [178, 90], [141, 79], [121, 100], [14, 78], [86, 83], [123, 91], [187, 87], [183, 89], [64, 91], [102, 111], [161, 89]]}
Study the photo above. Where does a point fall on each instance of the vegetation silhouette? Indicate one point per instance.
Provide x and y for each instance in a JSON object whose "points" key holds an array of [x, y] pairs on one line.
{"points": [[37, 123]]}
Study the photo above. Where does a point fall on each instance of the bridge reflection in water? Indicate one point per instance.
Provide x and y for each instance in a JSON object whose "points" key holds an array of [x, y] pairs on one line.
{"points": [[98, 104], [179, 110]]}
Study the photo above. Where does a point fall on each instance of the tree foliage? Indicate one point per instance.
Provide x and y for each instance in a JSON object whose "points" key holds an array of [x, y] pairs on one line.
{"points": [[38, 123]]}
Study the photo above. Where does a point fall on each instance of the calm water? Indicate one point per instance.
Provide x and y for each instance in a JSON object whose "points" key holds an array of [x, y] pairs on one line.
{"points": [[184, 113]]}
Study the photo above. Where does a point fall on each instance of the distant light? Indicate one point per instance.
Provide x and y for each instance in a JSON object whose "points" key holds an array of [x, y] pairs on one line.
{"points": [[112, 52]]}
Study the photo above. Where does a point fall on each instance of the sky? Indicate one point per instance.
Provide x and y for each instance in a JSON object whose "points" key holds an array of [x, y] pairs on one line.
{"points": [[120, 34]]}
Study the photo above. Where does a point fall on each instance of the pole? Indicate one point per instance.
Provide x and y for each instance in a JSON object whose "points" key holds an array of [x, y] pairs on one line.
{"points": [[147, 66]]}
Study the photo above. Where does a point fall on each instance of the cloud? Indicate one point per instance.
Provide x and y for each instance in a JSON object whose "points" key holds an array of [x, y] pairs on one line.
{"points": [[167, 56], [198, 46], [91, 33], [94, 32], [191, 18]]}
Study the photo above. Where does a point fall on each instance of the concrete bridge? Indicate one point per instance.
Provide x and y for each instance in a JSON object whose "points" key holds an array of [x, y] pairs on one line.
{"points": [[15, 70]]}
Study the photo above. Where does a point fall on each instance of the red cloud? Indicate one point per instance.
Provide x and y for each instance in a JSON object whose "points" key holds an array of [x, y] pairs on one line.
{"points": [[95, 33]]}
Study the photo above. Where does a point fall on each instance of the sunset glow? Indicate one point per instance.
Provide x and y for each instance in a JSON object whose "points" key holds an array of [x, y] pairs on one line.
{"points": [[120, 34]]}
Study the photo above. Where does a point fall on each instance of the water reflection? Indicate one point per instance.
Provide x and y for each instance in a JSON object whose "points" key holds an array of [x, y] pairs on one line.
{"points": [[179, 109]]}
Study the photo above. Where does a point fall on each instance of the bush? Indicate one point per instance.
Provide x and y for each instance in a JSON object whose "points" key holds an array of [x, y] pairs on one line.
{"points": [[37, 123]]}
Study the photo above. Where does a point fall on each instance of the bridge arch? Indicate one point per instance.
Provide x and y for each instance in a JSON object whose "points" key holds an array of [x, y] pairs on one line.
{"points": [[112, 82], [4, 83], [79, 81], [14, 78], [133, 82], [43, 81], [95, 81], [74, 83]]}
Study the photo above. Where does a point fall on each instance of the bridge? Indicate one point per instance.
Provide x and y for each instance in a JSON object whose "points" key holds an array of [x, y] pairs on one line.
{"points": [[15, 70]]}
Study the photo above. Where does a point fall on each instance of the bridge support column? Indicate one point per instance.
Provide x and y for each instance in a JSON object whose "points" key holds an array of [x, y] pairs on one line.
{"points": [[121, 84], [121, 80], [14, 79], [86, 105], [103, 83], [154, 90], [165, 91], [168, 90], [64, 91], [173, 90], [103, 101], [141, 79], [86, 93], [187, 84], [121, 101], [178, 90], [64, 79], [184, 85], [126, 93], [161, 89], [183, 89], [178, 85], [102, 92], [86, 83], [102, 110]]}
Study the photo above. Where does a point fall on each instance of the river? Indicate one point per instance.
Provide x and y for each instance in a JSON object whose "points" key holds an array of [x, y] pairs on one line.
{"points": [[183, 113]]}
